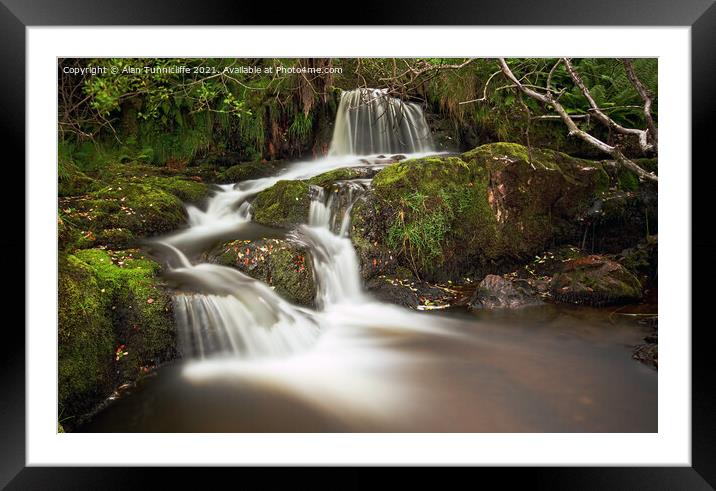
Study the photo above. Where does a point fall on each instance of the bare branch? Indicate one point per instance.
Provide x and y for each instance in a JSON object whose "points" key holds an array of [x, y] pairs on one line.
{"points": [[646, 97], [600, 116], [548, 99]]}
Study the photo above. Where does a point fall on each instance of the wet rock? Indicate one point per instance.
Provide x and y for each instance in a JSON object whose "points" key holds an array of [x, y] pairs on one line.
{"points": [[279, 263], [245, 171], [648, 352], [393, 291], [595, 280], [642, 259], [496, 292], [398, 158], [115, 324], [405, 290], [445, 217], [286, 203]]}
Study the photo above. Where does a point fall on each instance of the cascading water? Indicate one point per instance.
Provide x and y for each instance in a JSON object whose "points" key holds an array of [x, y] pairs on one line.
{"points": [[334, 261], [221, 311], [370, 122]]}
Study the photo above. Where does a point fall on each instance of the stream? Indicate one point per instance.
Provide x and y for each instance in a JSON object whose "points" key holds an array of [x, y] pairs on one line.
{"points": [[253, 362]]}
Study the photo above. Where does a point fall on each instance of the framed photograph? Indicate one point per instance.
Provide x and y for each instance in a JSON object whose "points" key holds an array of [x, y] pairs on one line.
{"points": [[356, 246]]}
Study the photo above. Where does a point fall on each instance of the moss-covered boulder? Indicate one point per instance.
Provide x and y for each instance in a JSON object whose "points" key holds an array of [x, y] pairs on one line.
{"points": [[284, 266], [446, 216], [286, 203], [85, 338], [595, 280], [115, 324], [124, 203], [497, 292], [245, 171], [119, 213], [327, 179], [141, 309]]}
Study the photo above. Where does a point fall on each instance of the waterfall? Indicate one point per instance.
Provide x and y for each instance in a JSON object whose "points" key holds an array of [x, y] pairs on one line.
{"points": [[370, 122], [335, 263], [220, 310]]}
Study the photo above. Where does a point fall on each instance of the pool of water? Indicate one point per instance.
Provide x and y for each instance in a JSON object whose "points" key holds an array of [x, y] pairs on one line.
{"points": [[541, 369]]}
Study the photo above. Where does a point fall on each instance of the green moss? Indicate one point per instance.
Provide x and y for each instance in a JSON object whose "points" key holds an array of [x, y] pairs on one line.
{"points": [[184, 189], [651, 164], [627, 180], [497, 202], [141, 310], [85, 338], [326, 179], [436, 204], [71, 181], [597, 281], [116, 238], [285, 203], [243, 172], [282, 265], [141, 209]]}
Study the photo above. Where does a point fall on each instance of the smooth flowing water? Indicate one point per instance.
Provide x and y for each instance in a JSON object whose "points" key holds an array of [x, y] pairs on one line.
{"points": [[254, 362], [371, 122]]}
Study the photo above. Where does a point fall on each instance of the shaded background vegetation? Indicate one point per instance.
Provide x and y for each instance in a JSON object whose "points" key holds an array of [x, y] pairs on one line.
{"points": [[218, 117]]}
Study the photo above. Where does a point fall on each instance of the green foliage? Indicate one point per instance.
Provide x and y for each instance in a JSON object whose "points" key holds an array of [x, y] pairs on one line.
{"points": [[435, 203], [301, 127]]}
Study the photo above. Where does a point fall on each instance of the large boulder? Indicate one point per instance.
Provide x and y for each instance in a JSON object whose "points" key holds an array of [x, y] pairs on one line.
{"points": [[115, 324], [595, 280], [281, 264], [85, 339], [496, 292], [286, 203], [141, 308], [447, 217]]}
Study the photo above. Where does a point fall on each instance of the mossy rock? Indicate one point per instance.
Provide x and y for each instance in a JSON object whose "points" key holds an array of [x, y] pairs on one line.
{"points": [[115, 322], [368, 231], [284, 204], [186, 190], [71, 181], [445, 216], [244, 171], [595, 280], [140, 310], [327, 179], [280, 264], [85, 338], [134, 208]]}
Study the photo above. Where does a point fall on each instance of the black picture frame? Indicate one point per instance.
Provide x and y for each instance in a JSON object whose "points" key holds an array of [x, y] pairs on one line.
{"points": [[700, 15]]}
